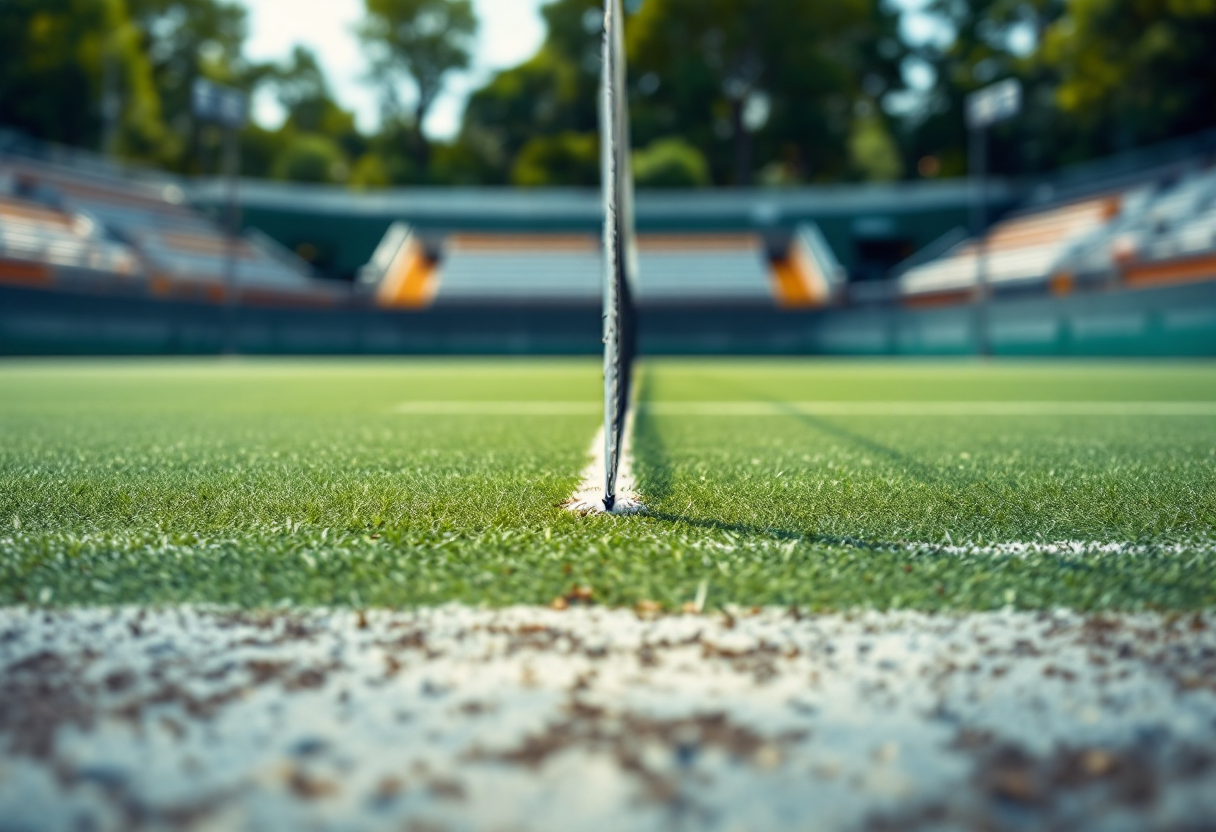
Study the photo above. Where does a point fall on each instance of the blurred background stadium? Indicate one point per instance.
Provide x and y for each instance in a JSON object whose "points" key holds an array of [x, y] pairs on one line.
{"points": [[803, 172]]}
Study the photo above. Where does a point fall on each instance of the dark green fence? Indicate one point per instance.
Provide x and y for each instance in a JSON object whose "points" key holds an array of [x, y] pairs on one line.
{"points": [[1164, 321]]}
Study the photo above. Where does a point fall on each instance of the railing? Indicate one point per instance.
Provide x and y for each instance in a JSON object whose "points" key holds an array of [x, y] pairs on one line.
{"points": [[821, 256], [279, 253], [940, 247], [398, 236], [125, 172], [1124, 169]]}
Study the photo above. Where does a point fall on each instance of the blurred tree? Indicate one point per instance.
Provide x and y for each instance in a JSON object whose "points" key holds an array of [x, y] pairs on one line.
{"points": [[537, 98], [422, 41], [872, 148], [370, 172], [185, 40], [575, 39], [670, 163], [553, 93], [309, 157], [459, 163], [260, 147], [565, 159], [305, 95], [72, 68], [984, 41], [389, 158], [748, 79], [315, 125], [1098, 75], [1133, 71]]}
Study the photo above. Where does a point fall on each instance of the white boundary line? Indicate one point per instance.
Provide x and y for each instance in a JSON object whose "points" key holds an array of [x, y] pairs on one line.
{"points": [[870, 408], [1060, 548], [502, 408], [588, 498]]}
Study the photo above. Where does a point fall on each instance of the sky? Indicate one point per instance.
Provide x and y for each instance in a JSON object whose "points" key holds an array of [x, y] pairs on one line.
{"points": [[511, 31]]}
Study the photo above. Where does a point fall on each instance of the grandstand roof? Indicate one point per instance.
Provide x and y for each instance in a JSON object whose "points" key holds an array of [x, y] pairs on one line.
{"points": [[581, 209]]}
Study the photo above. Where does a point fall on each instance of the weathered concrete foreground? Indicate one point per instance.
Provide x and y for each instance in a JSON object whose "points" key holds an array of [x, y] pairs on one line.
{"points": [[536, 719]]}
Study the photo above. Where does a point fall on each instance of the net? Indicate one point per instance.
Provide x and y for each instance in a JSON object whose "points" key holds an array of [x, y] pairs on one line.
{"points": [[620, 253]]}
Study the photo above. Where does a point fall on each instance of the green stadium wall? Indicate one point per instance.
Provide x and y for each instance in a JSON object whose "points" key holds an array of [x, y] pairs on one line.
{"points": [[1160, 321]]}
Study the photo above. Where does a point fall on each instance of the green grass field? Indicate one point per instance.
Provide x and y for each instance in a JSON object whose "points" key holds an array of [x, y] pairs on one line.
{"points": [[822, 484]]}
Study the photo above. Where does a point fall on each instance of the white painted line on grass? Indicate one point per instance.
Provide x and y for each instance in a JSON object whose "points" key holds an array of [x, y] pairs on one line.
{"points": [[503, 408], [588, 498], [1060, 548], [824, 408], [911, 408]]}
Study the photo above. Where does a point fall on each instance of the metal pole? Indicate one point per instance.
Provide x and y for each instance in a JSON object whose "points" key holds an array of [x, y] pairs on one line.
{"points": [[979, 220], [111, 102], [232, 163]]}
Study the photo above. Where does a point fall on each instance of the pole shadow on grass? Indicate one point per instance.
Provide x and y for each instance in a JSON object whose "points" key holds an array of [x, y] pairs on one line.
{"points": [[649, 451], [655, 467], [914, 467], [656, 476]]}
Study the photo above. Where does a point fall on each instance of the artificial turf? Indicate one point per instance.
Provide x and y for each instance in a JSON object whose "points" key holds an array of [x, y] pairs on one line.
{"points": [[260, 483]]}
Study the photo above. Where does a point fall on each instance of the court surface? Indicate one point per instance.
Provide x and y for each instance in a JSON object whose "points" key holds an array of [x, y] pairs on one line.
{"points": [[827, 485], [866, 596]]}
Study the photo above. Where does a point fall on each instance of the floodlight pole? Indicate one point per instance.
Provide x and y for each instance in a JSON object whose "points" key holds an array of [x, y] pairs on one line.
{"points": [[232, 164], [228, 108], [111, 103], [985, 107], [979, 223]]}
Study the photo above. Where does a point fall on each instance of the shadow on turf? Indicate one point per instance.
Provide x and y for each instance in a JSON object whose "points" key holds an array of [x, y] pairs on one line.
{"points": [[655, 470], [915, 468]]}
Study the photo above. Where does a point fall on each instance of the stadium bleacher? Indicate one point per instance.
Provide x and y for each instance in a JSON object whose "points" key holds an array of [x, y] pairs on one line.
{"points": [[67, 216], [521, 270], [1154, 231], [1018, 250], [498, 268], [33, 232], [567, 268], [718, 269], [672, 268]]}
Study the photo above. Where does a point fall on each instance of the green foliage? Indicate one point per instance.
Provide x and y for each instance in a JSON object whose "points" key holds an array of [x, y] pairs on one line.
{"points": [[421, 41], [1134, 71], [59, 58], [670, 163], [535, 99], [784, 90], [185, 40], [748, 80], [309, 157], [370, 171], [564, 159], [391, 155], [554, 92], [305, 95], [258, 483], [318, 138], [744, 83], [873, 149], [1100, 76]]}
